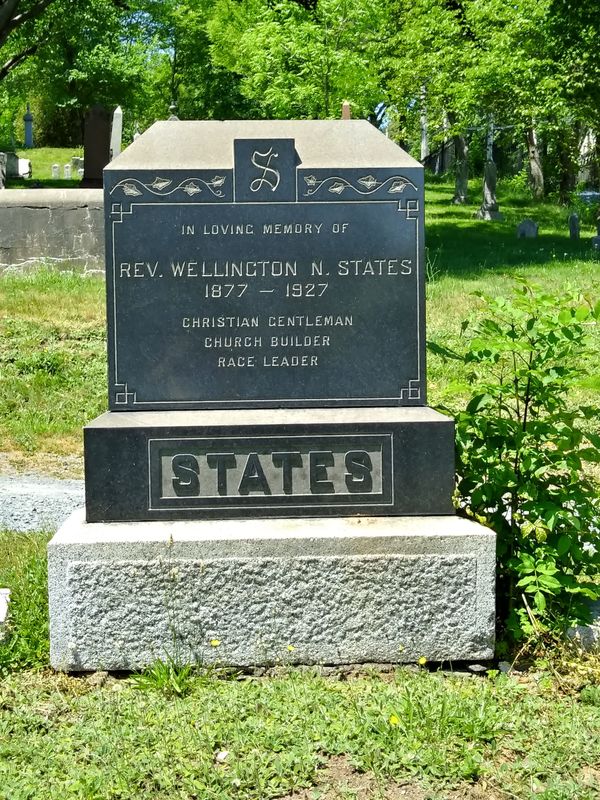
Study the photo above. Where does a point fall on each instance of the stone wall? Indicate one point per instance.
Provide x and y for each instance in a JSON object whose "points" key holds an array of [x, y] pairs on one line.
{"points": [[61, 226]]}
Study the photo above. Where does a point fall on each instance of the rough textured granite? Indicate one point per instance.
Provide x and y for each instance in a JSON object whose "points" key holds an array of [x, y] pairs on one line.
{"points": [[330, 591]]}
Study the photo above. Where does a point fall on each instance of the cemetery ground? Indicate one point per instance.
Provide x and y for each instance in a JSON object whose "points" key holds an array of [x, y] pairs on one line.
{"points": [[177, 733], [52, 350], [42, 159], [415, 732]]}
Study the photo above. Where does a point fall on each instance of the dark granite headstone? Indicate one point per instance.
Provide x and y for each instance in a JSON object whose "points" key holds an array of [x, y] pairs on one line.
{"points": [[248, 270], [96, 146], [266, 337]]}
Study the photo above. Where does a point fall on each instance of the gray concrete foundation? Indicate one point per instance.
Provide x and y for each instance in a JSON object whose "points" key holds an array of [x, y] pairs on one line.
{"points": [[327, 591], [52, 226]]}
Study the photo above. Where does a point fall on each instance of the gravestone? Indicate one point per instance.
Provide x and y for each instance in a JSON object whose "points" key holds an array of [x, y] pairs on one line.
{"points": [[527, 229], [28, 122], [574, 226], [96, 146], [55, 171], [17, 167], [67, 172], [116, 132], [269, 474]]}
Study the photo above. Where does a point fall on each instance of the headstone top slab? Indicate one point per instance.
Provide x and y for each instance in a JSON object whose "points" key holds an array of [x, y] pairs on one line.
{"points": [[264, 264], [206, 144]]}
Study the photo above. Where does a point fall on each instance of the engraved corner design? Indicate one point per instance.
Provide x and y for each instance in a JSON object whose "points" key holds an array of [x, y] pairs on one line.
{"points": [[124, 396], [410, 208], [365, 185], [412, 391]]}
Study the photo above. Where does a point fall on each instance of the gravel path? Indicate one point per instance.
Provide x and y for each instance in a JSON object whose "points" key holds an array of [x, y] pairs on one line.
{"points": [[37, 503]]}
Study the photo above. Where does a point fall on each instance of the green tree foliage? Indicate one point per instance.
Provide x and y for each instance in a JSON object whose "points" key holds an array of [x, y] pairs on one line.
{"points": [[528, 64], [301, 61], [184, 71], [74, 54], [26, 26]]}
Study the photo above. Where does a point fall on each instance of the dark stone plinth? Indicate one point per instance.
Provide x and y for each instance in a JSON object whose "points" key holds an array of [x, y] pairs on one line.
{"points": [[278, 463]]}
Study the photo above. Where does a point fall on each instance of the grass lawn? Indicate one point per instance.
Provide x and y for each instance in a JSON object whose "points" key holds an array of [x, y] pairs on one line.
{"points": [[52, 352], [182, 734], [192, 734], [42, 159]]}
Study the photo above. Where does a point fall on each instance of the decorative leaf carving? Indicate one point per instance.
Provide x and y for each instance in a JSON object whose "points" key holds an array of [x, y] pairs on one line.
{"points": [[131, 190], [337, 187], [369, 182], [310, 180], [217, 181], [161, 183], [397, 186], [191, 188]]}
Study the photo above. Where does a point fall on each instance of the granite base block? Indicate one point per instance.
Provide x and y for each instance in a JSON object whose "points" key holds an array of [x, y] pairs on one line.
{"points": [[326, 591]]}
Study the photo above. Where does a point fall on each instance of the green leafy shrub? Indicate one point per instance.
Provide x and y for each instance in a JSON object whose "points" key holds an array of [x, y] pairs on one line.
{"points": [[521, 451]]}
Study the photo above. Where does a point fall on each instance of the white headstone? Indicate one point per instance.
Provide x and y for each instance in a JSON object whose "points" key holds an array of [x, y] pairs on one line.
{"points": [[4, 600], [67, 172], [116, 132], [55, 171], [528, 229]]}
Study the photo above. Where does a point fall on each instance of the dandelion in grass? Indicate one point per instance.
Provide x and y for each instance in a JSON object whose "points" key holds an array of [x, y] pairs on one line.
{"points": [[290, 648], [394, 720], [422, 661], [215, 642]]}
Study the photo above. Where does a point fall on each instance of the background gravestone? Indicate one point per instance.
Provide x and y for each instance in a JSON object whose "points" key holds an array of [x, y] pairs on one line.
{"points": [[574, 226], [28, 121], [96, 146], [527, 229], [116, 132]]}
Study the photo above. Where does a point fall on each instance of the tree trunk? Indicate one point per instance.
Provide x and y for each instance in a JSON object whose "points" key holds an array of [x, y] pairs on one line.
{"points": [[461, 170], [568, 176], [536, 175]]}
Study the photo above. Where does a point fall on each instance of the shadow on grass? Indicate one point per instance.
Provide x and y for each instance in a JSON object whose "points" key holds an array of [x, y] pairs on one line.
{"points": [[467, 251], [42, 183], [459, 244]]}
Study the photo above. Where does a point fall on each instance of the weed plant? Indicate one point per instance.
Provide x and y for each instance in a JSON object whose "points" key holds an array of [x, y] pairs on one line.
{"points": [[23, 571], [170, 676], [521, 454]]}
